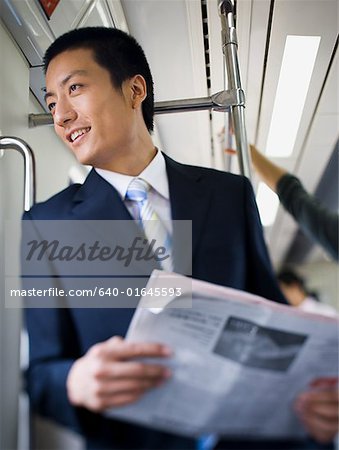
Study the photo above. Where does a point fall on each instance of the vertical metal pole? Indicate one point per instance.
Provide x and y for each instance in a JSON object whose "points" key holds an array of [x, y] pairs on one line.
{"points": [[12, 143], [230, 48]]}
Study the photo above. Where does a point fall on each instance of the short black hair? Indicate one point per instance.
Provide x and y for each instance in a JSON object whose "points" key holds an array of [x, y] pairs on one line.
{"points": [[116, 51], [289, 277]]}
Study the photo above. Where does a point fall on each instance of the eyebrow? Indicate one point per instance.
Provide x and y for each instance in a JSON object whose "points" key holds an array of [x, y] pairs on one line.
{"points": [[66, 79]]}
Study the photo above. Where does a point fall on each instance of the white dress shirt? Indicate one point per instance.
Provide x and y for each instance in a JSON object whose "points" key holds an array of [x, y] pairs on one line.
{"points": [[313, 306], [156, 176]]}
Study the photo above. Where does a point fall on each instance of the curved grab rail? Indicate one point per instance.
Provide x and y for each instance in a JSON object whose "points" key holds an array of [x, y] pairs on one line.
{"points": [[14, 143]]}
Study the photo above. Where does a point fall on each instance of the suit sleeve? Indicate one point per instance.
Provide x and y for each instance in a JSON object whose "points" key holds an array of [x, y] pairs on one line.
{"points": [[53, 348], [319, 223], [261, 279]]}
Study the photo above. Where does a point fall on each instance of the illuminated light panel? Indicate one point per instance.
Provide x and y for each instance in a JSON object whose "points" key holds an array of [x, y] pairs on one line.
{"points": [[294, 80], [268, 204]]}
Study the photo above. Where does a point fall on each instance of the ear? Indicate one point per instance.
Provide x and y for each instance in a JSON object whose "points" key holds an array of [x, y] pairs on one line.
{"points": [[137, 90]]}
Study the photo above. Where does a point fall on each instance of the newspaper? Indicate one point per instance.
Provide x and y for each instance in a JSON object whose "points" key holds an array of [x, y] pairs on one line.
{"points": [[238, 363]]}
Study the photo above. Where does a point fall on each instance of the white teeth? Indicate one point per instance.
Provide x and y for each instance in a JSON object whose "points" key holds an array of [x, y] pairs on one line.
{"points": [[77, 133]]}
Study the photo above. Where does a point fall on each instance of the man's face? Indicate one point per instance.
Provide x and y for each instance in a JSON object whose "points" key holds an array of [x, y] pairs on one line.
{"points": [[94, 119], [293, 293]]}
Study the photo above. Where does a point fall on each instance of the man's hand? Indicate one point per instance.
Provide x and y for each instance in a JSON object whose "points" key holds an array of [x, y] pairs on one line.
{"points": [[318, 410], [107, 375]]}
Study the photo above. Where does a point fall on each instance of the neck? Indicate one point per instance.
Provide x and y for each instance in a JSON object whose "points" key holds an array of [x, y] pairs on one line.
{"points": [[133, 158]]}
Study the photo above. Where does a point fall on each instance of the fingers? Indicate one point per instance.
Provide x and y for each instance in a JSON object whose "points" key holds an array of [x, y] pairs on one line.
{"points": [[320, 429], [328, 412], [108, 374], [119, 390], [107, 389], [110, 394], [117, 348], [97, 393], [100, 404], [320, 396], [323, 403], [325, 383], [128, 369], [318, 411]]}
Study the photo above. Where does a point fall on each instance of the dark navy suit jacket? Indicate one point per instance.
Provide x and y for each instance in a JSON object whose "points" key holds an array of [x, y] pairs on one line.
{"points": [[228, 249]]}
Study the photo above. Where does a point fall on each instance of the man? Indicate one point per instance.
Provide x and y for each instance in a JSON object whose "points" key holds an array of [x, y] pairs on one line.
{"points": [[294, 288], [100, 93]]}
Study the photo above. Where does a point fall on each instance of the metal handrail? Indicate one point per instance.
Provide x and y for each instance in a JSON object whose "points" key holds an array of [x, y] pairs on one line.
{"points": [[221, 101], [230, 51], [13, 143]]}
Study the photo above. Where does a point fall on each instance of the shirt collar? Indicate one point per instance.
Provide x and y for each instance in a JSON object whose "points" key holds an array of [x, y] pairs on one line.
{"points": [[155, 174]]}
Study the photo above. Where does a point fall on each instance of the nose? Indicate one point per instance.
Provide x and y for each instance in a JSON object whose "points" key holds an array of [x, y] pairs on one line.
{"points": [[64, 112]]}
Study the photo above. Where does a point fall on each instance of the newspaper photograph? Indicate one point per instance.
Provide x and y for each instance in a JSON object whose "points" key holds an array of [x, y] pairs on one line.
{"points": [[239, 361]]}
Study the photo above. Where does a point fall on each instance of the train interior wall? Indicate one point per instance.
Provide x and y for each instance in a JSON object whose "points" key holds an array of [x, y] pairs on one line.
{"points": [[52, 165]]}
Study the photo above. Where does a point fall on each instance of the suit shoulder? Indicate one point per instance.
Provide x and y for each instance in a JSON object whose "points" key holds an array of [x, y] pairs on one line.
{"points": [[56, 207], [216, 176]]}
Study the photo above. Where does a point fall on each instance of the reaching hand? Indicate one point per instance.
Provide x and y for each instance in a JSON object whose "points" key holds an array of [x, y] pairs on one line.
{"points": [[108, 374]]}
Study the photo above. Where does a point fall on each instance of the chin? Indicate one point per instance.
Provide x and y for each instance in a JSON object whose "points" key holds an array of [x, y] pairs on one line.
{"points": [[84, 159], [86, 162]]}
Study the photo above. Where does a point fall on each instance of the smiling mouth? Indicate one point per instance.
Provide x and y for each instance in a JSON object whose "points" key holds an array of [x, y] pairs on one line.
{"points": [[76, 134]]}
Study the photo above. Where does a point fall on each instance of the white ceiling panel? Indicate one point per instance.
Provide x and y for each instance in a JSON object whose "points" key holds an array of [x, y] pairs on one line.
{"points": [[291, 18], [171, 34], [164, 29], [252, 41]]}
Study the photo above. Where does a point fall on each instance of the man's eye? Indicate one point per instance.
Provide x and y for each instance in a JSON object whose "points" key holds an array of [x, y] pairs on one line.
{"points": [[74, 87], [51, 106]]}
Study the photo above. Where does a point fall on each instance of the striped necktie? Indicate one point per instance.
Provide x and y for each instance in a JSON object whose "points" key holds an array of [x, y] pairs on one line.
{"points": [[150, 222], [148, 219]]}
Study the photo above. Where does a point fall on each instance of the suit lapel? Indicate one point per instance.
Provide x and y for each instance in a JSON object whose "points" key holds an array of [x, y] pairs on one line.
{"points": [[190, 197], [98, 200]]}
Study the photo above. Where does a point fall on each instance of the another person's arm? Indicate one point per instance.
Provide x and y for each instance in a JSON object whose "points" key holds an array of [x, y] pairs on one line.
{"points": [[319, 223], [316, 220], [269, 172]]}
